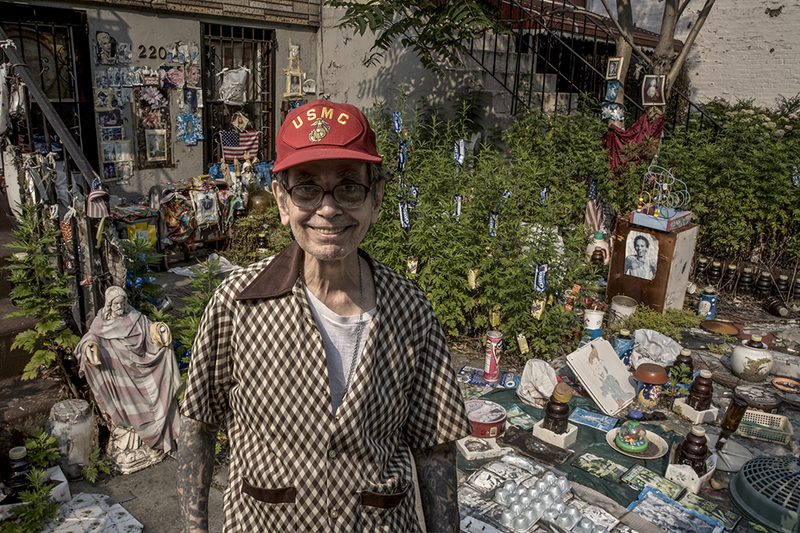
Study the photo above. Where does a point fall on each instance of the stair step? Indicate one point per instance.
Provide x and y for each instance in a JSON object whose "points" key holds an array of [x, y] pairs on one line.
{"points": [[12, 362], [26, 404]]}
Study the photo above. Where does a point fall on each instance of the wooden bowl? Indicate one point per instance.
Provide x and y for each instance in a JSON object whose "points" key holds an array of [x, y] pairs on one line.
{"points": [[651, 373]]}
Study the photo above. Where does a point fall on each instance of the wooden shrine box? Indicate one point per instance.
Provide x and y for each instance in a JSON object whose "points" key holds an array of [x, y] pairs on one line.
{"points": [[668, 261]]}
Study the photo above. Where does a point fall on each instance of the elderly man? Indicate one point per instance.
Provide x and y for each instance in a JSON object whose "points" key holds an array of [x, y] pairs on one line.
{"points": [[329, 368]]}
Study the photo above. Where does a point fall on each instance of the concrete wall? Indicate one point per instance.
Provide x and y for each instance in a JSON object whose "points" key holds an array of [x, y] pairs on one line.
{"points": [[747, 49], [344, 77], [161, 30]]}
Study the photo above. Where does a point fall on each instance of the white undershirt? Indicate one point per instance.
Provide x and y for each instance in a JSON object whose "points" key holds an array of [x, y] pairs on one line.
{"points": [[339, 335]]}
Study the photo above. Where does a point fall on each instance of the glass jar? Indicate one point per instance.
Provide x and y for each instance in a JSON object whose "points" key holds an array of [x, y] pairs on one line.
{"points": [[730, 422], [782, 286], [746, 282], [729, 279], [693, 450], [556, 412], [701, 391], [714, 272], [763, 286], [19, 468]]}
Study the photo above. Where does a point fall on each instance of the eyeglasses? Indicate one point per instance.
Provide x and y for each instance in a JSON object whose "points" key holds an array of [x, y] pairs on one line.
{"points": [[347, 195]]}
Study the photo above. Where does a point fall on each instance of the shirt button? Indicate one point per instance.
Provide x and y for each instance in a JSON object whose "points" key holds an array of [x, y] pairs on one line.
{"points": [[332, 454], [334, 514]]}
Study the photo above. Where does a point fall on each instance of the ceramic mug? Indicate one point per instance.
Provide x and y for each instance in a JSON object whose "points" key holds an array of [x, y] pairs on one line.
{"points": [[649, 394]]}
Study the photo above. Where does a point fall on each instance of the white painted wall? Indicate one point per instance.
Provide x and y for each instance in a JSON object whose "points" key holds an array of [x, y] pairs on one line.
{"points": [[343, 76]]}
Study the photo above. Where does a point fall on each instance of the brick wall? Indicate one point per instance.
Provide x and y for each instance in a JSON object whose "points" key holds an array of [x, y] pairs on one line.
{"points": [[747, 49], [303, 12]]}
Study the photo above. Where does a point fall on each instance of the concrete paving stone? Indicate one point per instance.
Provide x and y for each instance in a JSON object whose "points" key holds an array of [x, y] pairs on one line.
{"points": [[155, 502]]}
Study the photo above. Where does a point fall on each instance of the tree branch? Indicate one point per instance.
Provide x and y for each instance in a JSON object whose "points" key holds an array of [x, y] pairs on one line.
{"points": [[681, 10], [687, 45], [625, 36]]}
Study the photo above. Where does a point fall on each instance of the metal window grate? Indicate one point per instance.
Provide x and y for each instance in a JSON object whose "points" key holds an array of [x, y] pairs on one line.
{"points": [[232, 47], [49, 49]]}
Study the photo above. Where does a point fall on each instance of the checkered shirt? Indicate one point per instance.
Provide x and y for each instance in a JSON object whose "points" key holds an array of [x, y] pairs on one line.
{"points": [[259, 363]]}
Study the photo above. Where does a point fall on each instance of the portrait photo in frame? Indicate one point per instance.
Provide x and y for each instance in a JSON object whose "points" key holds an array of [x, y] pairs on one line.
{"points": [[641, 255], [614, 68], [156, 143], [653, 90]]}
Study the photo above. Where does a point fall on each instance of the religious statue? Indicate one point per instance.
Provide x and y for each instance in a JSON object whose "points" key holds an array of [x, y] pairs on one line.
{"points": [[131, 368]]}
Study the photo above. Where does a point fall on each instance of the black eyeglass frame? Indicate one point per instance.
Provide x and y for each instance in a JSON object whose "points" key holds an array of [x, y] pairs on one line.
{"points": [[332, 192]]}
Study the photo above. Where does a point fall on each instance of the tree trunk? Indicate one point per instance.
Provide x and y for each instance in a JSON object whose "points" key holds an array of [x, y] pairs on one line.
{"points": [[624, 49]]}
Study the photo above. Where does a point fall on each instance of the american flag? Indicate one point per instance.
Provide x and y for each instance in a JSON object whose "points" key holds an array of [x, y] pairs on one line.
{"points": [[236, 144], [594, 215]]}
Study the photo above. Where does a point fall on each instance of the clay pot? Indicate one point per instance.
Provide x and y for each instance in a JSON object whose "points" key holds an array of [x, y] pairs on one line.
{"points": [[751, 363]]}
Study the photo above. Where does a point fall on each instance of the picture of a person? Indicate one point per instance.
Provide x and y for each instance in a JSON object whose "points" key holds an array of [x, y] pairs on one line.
{"points": [[639, 265], [609, 385], [653, 90], [106, 48]]}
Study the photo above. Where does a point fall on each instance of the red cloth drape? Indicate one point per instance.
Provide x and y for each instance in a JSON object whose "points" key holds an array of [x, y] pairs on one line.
{"points": [[616, 138]]}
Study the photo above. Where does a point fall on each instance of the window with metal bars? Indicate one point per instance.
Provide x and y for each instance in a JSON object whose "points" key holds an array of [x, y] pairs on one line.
{"points": [[54, 45], [232, 47]]}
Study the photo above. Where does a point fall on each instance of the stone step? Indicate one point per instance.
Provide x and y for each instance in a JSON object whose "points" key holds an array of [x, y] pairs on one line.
{"points": [[12, 361]]}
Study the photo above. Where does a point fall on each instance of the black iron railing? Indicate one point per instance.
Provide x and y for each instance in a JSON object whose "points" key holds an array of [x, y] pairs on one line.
{"points": [[555, 51]]}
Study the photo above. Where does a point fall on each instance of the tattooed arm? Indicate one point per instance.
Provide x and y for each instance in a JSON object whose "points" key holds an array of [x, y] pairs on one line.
{"points": [[195, 467], [436, 471]]}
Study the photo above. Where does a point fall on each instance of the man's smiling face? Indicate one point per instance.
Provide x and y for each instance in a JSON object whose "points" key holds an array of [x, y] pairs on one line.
{"points": [[329, 232]]}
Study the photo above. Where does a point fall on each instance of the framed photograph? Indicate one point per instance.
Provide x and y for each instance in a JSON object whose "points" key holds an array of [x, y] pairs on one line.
{"points": [[109, 152], [600, 467], [102, 99], [109, 171], [641, 255], [653, 90], [603, 375], [106, 49], [111, 134], [101, 79], [613, 68], [612, 90], [156, 144]]}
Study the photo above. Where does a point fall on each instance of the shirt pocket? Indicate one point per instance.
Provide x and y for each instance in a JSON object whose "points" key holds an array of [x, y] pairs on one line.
{"points": [[270, 495], [386, 513]]}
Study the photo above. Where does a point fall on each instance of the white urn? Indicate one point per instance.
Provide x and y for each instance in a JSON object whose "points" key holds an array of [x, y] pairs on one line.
{"points": [[752, 361]]}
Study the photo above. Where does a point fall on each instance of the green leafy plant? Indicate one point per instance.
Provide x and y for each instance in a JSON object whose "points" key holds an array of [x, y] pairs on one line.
{"points": [[740, 180], [40, 291], [204, 282], [42, 448], [432, 30], [718, 349], [242, 247], [95, 466], [140, 260], [28, 518], [559, 153], [670, 323]]}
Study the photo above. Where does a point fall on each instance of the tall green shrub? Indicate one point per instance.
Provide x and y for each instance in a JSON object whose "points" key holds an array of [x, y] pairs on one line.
{"points": [[740, 181], [561, 152], [40, 291]]}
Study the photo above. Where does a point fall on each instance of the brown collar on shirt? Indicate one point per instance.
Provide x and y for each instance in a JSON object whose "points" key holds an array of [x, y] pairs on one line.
{"points": [[280, 275]]}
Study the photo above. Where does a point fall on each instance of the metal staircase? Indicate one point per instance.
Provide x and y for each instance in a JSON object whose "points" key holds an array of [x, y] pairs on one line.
{"points": [[556, 51]]}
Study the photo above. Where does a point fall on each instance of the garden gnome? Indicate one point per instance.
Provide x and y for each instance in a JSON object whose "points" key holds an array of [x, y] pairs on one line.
{"points": [[130, 366]]}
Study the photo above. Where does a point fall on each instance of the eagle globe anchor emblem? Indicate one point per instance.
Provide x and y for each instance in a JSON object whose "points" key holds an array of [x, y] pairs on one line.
{"points": [[321, 129]]}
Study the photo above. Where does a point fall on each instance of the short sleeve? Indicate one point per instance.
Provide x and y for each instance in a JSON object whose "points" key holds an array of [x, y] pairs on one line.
{"points": [[209, 378], [436, 407]]}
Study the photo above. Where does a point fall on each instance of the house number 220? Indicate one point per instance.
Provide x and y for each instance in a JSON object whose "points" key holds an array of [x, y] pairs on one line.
{"points": [[160, 53]]}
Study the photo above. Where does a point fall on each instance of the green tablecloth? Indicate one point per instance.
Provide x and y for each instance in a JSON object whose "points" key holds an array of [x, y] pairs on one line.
{"points": [[589, 440]]}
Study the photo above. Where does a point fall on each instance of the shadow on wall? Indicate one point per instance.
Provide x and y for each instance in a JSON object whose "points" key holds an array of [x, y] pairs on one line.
{"points": [[347, 79]]}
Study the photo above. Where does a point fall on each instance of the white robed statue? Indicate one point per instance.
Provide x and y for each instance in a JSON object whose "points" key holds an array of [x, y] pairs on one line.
{"points": [[131, 368]]}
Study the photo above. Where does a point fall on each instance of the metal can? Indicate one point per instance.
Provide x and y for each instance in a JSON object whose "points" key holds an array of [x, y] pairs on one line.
{"points": [[541, 277], [708, 303], [494, 347]]}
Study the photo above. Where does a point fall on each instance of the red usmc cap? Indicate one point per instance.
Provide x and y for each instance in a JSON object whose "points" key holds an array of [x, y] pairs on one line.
{"points": [[324, 130]]}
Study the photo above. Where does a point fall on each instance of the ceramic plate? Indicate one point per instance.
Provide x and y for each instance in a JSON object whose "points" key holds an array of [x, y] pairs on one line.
{"points": [[786, 385], [657, 447]]}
